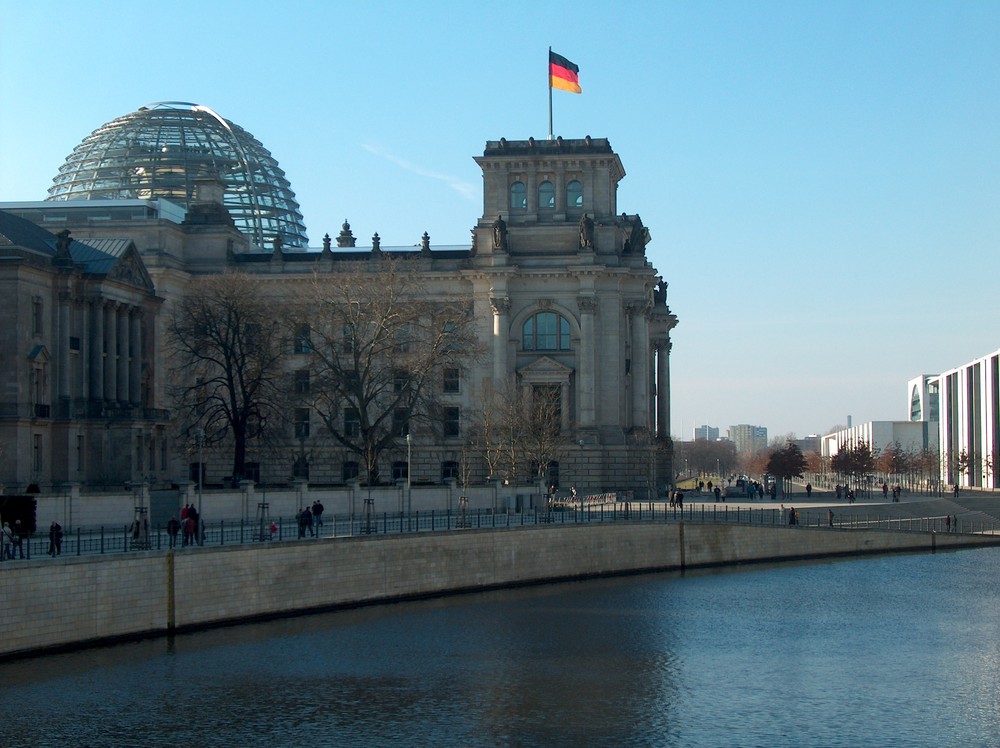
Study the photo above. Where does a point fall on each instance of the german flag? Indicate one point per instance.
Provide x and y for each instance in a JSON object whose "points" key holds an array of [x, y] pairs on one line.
{"points": [[563, 74]]}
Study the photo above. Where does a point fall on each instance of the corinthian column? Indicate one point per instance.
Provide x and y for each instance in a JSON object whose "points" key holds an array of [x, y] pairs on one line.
{"points": [[501, 325]]}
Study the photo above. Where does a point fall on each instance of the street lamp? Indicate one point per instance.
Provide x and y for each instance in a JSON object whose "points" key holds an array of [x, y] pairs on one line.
{"points": [[409, 471], [199, 437]]}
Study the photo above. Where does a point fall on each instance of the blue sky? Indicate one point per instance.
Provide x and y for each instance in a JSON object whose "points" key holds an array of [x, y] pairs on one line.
{"points": [[821, 179]]}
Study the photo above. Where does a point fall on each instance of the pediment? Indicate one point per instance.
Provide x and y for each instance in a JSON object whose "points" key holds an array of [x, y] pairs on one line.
{"points": [[543, 368], [130, 269]]}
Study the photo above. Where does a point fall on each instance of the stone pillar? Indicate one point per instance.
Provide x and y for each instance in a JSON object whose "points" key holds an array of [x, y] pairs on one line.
{"points": [[663, 387], [110, 351], [62, 385], [640, 368], [587, 371], [564, 407], [135, 357], [501, 334], [96, 311], [122, 330]]}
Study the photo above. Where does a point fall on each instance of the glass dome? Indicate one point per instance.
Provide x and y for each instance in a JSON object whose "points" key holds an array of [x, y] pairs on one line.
{"points": [[163, 149]]}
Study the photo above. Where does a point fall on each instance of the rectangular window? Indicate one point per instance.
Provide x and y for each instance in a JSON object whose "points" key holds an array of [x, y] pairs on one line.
{"points": [[399, 471], [400, 422], [449, 471], [400, 380], [348, 342], [352, 422], [302, 382], [404, 337], [452, 421], [37, 316], [350, 471], [301, 423], [452, 380], [303, 339]]}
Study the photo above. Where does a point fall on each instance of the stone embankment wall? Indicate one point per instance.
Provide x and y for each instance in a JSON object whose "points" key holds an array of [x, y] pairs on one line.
{"points": [[46, 604]]}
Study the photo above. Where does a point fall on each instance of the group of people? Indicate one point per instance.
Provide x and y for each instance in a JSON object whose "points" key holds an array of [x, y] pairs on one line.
{"points": [[189, 524], [311, 519], [12, 540]]}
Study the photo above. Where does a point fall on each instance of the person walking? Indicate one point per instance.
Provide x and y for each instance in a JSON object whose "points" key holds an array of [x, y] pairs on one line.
{"points": [[7, 540], [55, 539], [173, 527], [19, 535], [829, 517], [317, 513]]}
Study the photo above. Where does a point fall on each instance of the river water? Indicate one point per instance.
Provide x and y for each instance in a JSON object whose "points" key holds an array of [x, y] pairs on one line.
{"points": [[885, 651]]}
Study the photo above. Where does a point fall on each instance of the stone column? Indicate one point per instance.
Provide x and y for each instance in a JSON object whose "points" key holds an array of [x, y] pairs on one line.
{"points": [[564, 407], [135, 357], [96, 311], [640, 368], [501, 334], [122, 328], [663, 387], [63, 375], [587, 371], [110, 351]]}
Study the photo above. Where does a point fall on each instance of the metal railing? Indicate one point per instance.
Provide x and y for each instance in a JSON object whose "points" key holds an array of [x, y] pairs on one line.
{"points": [[123, 539]]}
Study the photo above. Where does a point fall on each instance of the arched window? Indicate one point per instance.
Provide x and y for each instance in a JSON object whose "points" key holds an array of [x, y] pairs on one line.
{"points": [[546, 195], [518, 196], [574, 195], [546, 331]]}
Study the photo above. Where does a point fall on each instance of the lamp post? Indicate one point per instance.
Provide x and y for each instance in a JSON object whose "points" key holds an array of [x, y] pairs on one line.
{"points": [[409, 471], [199, 436]]}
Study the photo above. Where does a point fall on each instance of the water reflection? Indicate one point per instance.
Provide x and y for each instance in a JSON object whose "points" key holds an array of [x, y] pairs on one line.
{"points": [[883, 651]]}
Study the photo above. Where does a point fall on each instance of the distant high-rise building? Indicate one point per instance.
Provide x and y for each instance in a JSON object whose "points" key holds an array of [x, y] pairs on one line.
{"points": [[748, 439], [708, 433]]}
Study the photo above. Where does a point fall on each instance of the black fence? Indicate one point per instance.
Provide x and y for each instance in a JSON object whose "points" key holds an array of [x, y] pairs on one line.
{"points": [[126, 539]]}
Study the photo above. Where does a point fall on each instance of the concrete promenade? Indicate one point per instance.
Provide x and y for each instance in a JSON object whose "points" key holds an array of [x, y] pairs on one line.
{"points": [[79, 601]]}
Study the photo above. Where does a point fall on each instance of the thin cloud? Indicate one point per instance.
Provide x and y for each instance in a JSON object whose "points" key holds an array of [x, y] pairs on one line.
{"points": [[465, 189]]}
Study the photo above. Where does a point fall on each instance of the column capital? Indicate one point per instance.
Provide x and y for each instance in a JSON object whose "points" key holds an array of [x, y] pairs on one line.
{"points": [[500, 304], [587, 304]]}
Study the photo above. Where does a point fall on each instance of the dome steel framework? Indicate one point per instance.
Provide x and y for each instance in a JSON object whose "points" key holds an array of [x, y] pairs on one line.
{"points": [[164, 148]]}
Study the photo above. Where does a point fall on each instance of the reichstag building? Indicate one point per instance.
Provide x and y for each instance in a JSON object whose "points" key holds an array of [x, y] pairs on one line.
{"points": [[555, 281]]}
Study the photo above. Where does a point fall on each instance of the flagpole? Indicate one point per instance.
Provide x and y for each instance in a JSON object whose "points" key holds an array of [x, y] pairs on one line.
{"points": [[548, 77]]}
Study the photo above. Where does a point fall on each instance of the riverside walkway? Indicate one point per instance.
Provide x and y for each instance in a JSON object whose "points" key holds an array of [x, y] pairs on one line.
{"points": [[973, 514]]}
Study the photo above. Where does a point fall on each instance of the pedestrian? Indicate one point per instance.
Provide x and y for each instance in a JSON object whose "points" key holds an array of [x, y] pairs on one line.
{"points": [[760, 491], [829, 516], [774, 491], [55, 539], [956, 491], [303, 517], [189, 528], [717, 492], [274, 531], [837, 489], [192, 514], [791, 515], [809, 490], [947, 523], [885, 491], [173, 527], [7, 540], [317, 512], [20, 533]]}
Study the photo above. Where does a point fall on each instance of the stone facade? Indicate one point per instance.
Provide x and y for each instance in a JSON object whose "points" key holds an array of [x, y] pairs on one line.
{"points": [[563, 298]]}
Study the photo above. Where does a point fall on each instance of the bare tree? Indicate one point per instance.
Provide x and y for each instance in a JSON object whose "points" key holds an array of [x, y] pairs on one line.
{"points": [[380, 344], [227, 374], [542, 434]]}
